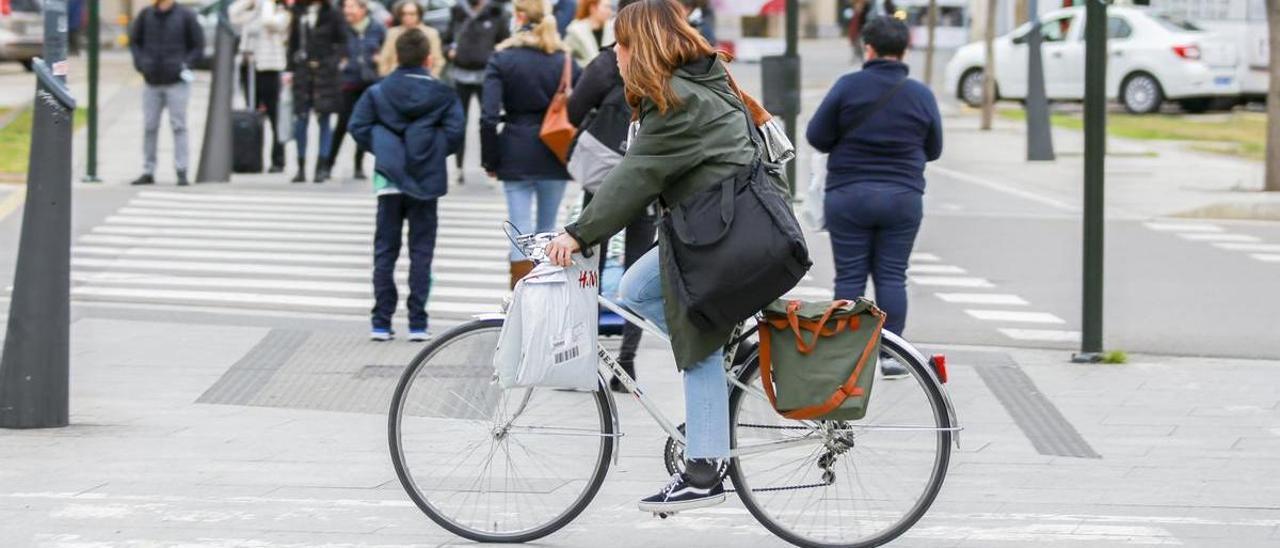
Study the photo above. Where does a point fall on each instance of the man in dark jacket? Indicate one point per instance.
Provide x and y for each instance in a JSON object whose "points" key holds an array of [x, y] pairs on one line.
{"points": [[475, 29], [364, 41], [165, 40], [412, 123], [880, 128]]}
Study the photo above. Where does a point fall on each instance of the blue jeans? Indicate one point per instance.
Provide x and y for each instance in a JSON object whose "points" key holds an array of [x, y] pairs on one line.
{"points": [[520, 200], [393, 211], [706, 390], [300, 135], [873, 227]]}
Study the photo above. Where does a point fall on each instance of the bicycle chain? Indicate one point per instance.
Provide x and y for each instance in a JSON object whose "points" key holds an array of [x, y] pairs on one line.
{"points": [[789, 487]]}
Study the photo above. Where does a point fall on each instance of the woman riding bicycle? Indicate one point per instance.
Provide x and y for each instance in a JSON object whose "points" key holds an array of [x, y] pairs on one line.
{"points": [[689, 138]]}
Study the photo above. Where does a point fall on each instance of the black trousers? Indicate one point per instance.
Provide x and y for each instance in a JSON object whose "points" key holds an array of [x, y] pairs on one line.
{"points": [[465, 93], [639, 237], [349, 98], [266, 84]]}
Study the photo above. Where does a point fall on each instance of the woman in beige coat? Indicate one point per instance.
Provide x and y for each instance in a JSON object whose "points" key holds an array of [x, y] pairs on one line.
{"points": [[407, 14], [591, 29]]}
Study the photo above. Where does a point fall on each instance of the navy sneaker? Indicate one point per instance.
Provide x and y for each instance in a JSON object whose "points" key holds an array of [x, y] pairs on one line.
{"points": [[381, 334], [679, 495]]}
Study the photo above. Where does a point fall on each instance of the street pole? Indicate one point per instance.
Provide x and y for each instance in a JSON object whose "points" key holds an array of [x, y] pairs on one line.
{"points": [[215, 149], [989, 67], [1095, 147], [1039, 133], [95, 28], [793, 56], [928, 52], [34, 368]]}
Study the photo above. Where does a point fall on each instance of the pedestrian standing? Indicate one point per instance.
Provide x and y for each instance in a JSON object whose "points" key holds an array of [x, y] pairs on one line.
{"points": [[564, 12], [861, 13], [702, 16], [264, 33], [407, 14], [519, 83], [360, 70], [692, 136], [591, 30], [166, 41], [476, 27], [412, 122], [879, 128], [317, 45], [598, 107]]}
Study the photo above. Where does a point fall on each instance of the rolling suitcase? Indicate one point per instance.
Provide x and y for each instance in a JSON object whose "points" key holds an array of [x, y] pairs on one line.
{"points": [[247, 132]]}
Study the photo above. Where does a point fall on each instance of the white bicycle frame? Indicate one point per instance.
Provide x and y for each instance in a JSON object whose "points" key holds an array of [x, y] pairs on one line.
{"points": [[608, 366]]}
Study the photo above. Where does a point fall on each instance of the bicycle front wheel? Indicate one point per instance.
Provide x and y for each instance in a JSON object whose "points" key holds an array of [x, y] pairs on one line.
{"points": [[845, 484], [488, 464]]}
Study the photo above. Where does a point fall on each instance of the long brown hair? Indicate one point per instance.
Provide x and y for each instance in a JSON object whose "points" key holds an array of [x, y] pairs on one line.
{"points": [[585, 7], [661, 40]]}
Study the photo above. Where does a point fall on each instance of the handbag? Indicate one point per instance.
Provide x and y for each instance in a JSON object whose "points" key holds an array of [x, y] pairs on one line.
{"points": [[557, 133], [591, 161], [807, 348], [735, 246]]}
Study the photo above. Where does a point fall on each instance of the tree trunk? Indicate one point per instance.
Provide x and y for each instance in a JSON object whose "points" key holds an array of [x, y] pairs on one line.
{"points": [[1273, 99], [930, 47], [989, 67]]}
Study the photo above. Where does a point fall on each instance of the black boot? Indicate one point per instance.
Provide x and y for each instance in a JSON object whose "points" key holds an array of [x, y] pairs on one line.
{"points": [[629, 366], [301, 177], [322, 171]]}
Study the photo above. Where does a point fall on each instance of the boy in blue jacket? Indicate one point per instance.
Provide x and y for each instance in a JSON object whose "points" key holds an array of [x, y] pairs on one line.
{"points": [[411, 122]]}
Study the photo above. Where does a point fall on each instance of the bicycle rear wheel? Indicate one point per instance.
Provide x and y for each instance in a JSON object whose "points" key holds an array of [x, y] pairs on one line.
{"points": [[846, 484], [488, 464]]}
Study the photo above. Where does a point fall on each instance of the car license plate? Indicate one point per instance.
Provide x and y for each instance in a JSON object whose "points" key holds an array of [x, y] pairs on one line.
{"points": [[1222, 81]]}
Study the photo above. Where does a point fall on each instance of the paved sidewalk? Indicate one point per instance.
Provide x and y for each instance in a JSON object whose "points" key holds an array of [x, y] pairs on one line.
{"points": [[1185, 452]]}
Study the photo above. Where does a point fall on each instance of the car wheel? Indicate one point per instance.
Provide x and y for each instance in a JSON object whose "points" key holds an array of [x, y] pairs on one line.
{"points": [[29, 65], [970, 89], [1141, 93]]}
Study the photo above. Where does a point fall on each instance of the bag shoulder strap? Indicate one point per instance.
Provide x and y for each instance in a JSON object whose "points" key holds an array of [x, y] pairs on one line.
{"points": [[566, 76], [879, 104]]}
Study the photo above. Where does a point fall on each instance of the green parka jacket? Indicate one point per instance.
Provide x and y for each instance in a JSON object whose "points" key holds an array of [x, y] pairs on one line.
{"points": [[693, 146]]}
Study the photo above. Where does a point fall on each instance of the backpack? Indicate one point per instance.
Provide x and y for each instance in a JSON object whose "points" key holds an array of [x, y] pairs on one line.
{"points": [[476, 37]]}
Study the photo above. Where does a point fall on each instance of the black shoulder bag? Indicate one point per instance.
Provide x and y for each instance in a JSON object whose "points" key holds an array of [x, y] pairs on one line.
{"points": [[736, 246]]}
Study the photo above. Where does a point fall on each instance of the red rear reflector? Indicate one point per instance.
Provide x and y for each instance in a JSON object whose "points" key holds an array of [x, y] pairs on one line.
{"points": [[939, 363]]}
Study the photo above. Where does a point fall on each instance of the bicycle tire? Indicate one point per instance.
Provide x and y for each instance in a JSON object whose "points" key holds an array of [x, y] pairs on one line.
{"points": [[404, 474], [942, 418]]}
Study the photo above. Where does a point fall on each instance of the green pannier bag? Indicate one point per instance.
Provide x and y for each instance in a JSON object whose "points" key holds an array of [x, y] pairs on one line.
{"points": [[818, 359]]}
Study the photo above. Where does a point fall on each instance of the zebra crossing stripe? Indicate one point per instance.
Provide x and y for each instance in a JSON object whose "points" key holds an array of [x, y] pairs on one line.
{"points": [[1219, 237], [447, 202], [463, 236], [951, 281], [1014, 316], [306, 301], [261, 208], [983, 298], [809, 292], [1183, 227], [491, 227], [362, 219], [360, 288], [444, 246], [1266, 257], [249, 269], [1041, 335], [1237, 246], [924, 258], [460, 264], [935, 269]]}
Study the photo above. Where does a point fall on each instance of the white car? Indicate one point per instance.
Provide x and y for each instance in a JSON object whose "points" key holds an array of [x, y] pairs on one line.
{"points": [[1153, 57]]}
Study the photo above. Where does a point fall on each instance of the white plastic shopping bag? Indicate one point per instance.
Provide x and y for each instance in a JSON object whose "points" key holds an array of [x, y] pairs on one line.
{"points": [[815, 195], [549, 337]]}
